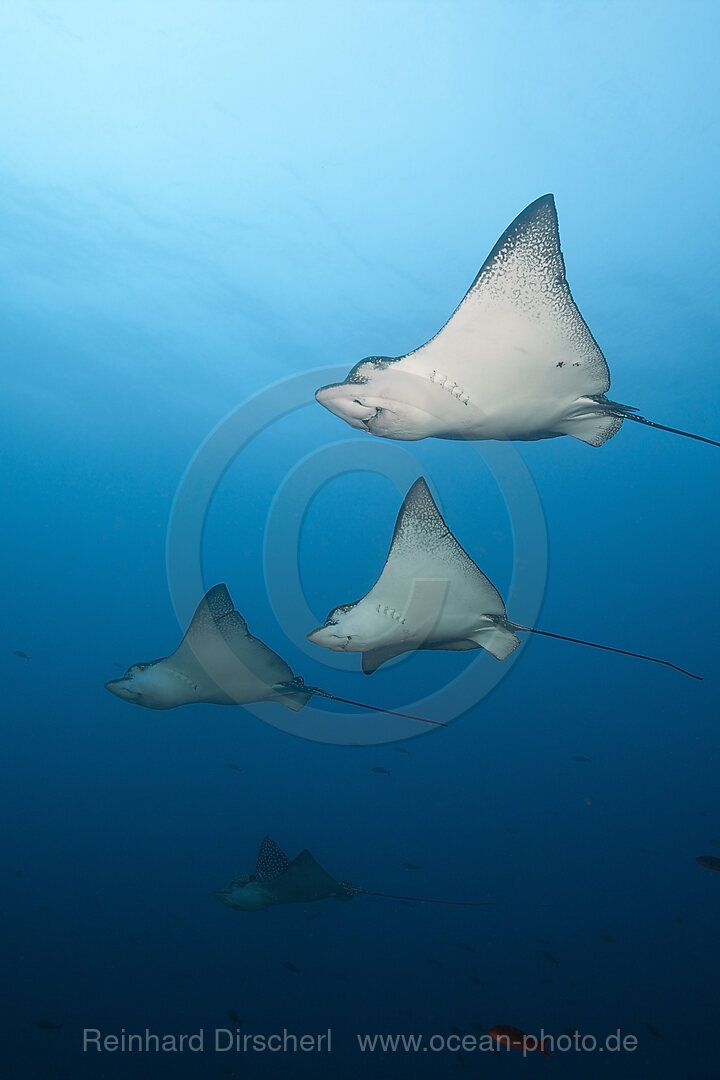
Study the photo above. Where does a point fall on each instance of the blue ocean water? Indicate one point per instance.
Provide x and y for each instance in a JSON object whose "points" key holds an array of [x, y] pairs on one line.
{"points": [[200, 204]]}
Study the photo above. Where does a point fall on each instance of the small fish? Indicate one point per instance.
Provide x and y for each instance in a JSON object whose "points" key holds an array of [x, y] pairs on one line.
{"points": [[341, 976], [512, 832], [401, 750], [18, 874], [551, 958], [478, 982], [120, 667], [235, 768], [653, 1031], [232, 1015], [380, 771], [20, 654], [508, 1036], [411, 866], [291, 967], [710, 862], [545, 981], [433, 961], [465, 947], [606, 937], [580, 757], [47, 1025]]}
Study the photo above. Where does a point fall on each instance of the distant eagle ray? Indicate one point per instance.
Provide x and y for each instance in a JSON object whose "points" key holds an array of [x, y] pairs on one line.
{"points": [[431, 595], [515, 361], [280, 880], [219, 662]]}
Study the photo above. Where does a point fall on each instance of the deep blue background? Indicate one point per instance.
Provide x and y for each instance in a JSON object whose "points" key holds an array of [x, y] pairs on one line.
{"points": [[199, 200]]}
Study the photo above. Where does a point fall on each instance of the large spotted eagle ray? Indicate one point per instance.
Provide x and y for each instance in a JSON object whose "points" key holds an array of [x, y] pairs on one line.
{"points": [[515, 361], [219, 662], [280, 880], [430, 595]]}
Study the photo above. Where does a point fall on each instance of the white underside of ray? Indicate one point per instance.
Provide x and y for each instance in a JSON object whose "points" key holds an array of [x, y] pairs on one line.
{"points": [[430, 595], [515, 361], [218, 662], [226, 664]]}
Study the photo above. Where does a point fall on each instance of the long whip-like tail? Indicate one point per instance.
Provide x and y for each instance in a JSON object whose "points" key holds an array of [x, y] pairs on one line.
{"points": [[663, 427], [427, 900], [298, 683], [605, 648]]}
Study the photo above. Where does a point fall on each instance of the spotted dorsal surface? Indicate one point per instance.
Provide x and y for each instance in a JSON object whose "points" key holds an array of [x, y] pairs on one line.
{"points": [[430, 595], [516, 360], [271, 861], [279, 880]]}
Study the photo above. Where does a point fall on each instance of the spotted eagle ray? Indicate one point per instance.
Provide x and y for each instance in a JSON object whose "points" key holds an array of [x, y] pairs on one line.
{"points": [[515, 361], [430, 595], [219, 662], [280, 880]]}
